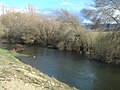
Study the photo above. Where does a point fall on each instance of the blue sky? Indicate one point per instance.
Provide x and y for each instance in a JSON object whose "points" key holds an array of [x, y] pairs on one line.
{"points": [[52, 4], [44, 6]]}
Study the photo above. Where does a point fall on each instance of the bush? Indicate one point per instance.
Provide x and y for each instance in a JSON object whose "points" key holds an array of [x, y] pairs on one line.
{"points": [[48, 31], [107, 47]]}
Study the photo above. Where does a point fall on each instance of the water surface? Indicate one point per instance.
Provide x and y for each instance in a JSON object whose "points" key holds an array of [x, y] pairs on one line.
{"points": [[73, 69]]}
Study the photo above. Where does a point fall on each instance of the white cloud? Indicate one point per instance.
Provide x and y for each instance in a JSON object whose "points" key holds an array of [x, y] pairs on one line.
{"points": [[87, 21], [66, 3]]}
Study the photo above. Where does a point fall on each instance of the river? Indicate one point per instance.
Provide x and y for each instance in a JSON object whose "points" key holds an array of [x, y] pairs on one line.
{"points": [[72, 68]]}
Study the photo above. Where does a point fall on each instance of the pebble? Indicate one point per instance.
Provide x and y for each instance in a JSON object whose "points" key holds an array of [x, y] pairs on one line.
{"points": [[53, 84], [42, 87], [2, 79], [15, 76], [26, 84]]}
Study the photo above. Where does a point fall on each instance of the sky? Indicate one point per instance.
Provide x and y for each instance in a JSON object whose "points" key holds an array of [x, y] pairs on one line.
{"points": [[44, 5]]}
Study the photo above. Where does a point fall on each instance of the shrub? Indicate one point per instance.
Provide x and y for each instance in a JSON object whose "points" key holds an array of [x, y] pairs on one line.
{"points": [[107, 47], [48, 31]]}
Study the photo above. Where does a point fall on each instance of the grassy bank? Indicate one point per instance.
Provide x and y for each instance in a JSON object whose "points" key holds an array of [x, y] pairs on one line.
{"points": [[15, 75], [10, 55]]}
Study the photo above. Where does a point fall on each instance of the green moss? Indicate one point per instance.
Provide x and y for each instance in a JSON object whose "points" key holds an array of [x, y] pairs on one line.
{"points": [[10, 55]]}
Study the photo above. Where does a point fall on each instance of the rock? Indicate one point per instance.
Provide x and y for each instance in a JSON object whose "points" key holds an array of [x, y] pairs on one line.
{"points": [[26, 84], [117, 61], [52, 83], [42, 87], [51, 47], [18, 48]]}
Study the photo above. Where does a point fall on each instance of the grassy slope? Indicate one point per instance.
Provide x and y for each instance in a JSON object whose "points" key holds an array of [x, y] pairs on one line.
{"points": [[9, 55]]}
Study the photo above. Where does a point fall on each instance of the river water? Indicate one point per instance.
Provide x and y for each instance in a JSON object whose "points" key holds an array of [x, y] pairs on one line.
{"points": [[73, 69]]}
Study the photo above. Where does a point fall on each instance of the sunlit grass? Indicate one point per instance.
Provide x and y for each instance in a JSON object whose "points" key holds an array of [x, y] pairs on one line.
{"points": [[9, 55]]}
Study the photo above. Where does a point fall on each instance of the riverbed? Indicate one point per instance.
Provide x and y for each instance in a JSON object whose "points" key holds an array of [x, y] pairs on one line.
{"points": [[73, 69]]}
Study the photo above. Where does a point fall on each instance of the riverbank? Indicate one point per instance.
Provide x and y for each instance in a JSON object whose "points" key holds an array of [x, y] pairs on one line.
{"points": [[66, 33], [15, 75]]}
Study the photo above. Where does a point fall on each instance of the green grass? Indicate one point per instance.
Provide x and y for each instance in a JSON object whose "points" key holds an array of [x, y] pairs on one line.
{"points": [[9, 55]]}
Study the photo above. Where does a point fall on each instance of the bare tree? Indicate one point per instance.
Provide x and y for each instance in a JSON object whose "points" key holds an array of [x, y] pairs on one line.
{"points": [[104, 12]]}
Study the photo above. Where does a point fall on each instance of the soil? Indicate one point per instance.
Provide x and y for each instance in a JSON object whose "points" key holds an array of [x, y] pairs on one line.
{"points": [[19, 76]]}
